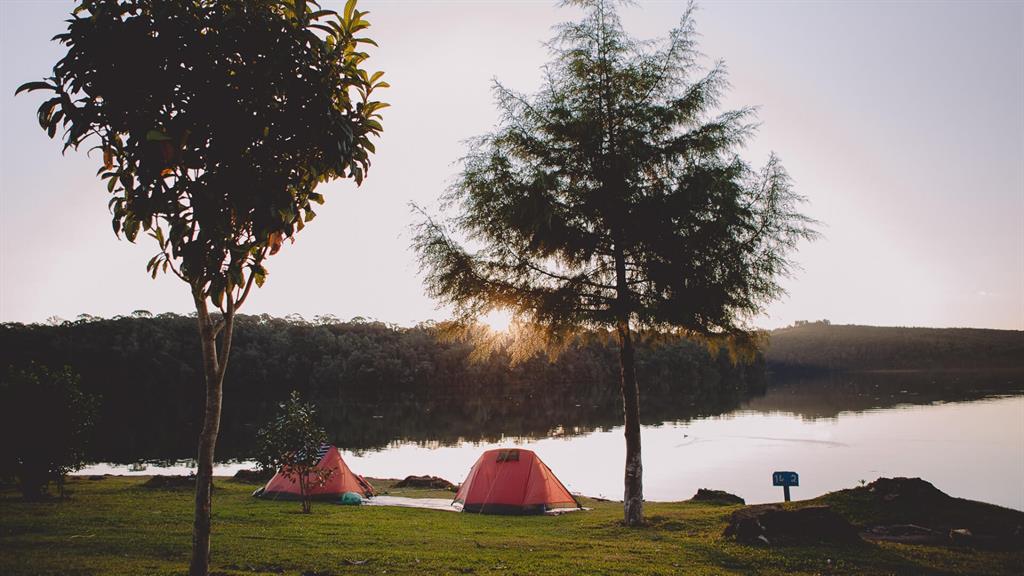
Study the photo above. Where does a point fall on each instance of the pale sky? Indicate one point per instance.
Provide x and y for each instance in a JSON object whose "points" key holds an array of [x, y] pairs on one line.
{"points": [[902, 123]]}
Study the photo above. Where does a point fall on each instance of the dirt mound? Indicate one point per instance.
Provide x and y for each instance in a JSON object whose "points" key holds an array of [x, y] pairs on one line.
{"points": [[774, 525], [912, 510], [716, 497], [907, 492], [432, 482], [253, 476]]}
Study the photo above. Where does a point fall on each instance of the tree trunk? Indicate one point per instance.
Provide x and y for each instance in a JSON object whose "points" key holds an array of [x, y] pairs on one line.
{"points": [[633, 499], [304, 491], [214, 366]]}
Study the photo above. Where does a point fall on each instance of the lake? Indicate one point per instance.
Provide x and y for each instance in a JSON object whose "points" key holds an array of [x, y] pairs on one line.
{"points": [[963, 432]]}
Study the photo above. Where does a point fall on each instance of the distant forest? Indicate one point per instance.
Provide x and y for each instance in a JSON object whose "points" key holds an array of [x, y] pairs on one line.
{"points": [[821, 346], [373, 383]]}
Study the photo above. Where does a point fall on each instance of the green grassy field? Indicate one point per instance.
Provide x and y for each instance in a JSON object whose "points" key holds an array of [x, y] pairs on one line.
{"points": [[116, 526]]}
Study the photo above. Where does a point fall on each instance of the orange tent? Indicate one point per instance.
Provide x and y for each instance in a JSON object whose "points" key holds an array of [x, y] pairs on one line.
{"points": [[512, 481], [341, 480]]}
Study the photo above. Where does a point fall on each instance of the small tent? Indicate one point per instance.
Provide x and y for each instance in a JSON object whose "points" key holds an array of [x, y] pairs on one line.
{"points": [[512, 481], [341, 480]]}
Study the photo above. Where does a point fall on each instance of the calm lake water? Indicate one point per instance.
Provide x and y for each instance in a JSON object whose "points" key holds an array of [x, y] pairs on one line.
{"points": [[964, 433]]}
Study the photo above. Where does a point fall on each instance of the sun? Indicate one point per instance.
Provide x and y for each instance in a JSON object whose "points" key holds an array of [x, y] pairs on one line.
{"points": [[497, 320]]}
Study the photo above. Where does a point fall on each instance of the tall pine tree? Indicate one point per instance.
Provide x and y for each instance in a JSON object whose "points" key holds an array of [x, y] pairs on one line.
{"points": [[615, 198]]}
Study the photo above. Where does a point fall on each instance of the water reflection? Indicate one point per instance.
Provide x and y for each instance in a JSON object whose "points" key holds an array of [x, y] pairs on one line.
{"points": [[471, 412], [831, 394], [964, 432], [486, 416], [971, 449]]}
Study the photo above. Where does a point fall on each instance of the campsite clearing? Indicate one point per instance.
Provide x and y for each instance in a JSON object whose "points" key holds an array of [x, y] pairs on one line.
{"points": [[117, 526]]}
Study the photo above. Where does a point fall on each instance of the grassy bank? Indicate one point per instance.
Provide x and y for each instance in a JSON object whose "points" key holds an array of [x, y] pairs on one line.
{"points": [[116, 526]]}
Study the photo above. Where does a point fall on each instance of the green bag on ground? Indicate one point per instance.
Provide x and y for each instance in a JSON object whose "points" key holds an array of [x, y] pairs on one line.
{"points": [[351, 499]]}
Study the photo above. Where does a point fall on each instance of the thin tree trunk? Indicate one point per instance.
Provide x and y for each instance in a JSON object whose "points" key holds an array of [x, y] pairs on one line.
{"points": [[214, 366], [304, 489], [633, 499]]}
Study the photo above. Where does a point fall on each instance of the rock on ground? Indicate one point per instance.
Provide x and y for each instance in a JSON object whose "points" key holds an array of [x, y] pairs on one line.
{"points": [[771, 524], [716, 497], [425, 482]]}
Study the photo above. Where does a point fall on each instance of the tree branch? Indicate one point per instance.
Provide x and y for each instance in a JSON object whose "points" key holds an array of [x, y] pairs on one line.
{"points": [[248, 285]]}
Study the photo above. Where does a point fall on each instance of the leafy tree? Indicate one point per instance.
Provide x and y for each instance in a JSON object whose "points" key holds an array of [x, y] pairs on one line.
{"points": [[615, 198], [46, 421], [216, 121], [291, 443]]}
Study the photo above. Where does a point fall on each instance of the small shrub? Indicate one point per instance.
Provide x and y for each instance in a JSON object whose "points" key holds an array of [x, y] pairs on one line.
{"points": [[45, 420], [291, 444]]}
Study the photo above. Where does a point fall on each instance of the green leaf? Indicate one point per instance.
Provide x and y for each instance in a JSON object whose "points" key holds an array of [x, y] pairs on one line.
{"points": [[259, 276], [322, 27], [321, 13], [217, 292], [30, 86], [131, 228]]}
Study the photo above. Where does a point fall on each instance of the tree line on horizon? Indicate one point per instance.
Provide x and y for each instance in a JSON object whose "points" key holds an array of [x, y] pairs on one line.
{"points": [[373, 383], [825, 347]]}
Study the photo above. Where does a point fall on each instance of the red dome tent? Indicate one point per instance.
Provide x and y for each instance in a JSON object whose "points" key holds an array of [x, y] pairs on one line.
{"points": [[512, 481], [341, 480]]}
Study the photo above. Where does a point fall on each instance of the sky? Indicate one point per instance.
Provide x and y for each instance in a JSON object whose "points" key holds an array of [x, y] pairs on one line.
{"points": [[902, 123]]}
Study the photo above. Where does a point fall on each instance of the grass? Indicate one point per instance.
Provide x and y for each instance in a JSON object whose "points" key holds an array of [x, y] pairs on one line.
{"points": [[115, 526]]}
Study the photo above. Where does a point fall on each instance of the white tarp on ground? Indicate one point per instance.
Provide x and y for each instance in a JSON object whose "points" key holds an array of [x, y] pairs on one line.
{"points": [[439, 504], [429, 503]]}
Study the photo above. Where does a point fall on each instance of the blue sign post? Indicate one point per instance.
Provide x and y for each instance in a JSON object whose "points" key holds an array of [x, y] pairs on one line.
{"points": [[785, 479]]}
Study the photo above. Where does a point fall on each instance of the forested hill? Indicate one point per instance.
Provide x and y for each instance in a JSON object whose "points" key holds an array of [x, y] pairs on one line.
{"points": [[376, 383], [373, 383], [824, 346]]}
